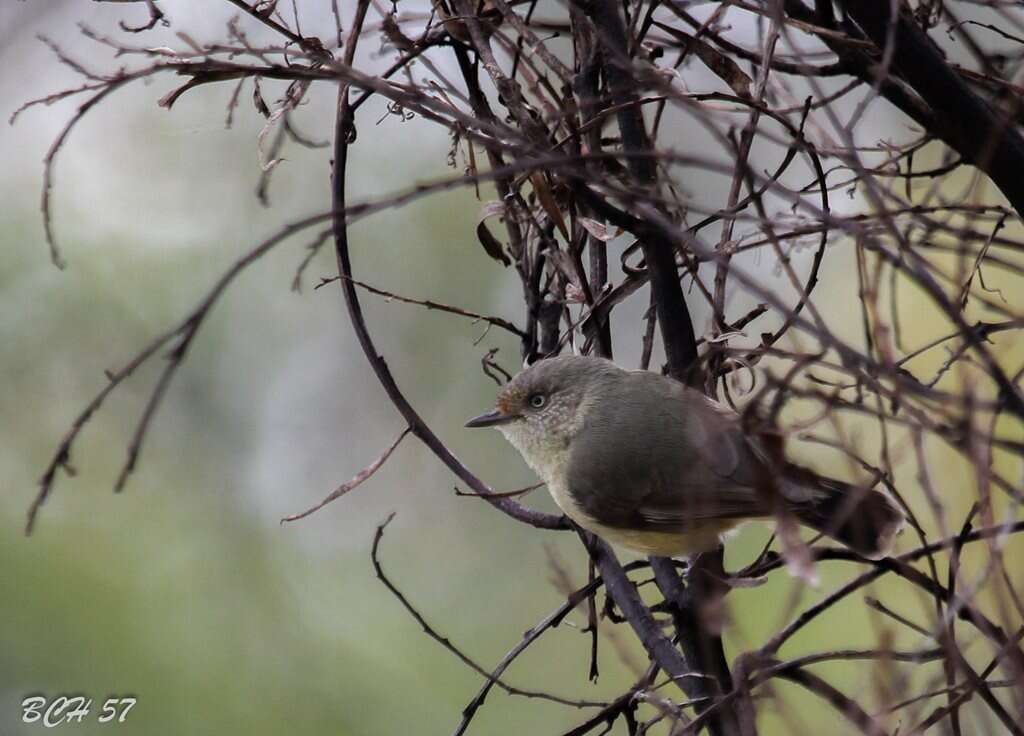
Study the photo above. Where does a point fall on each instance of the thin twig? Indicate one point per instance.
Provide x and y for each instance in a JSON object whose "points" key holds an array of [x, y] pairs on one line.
{"points": [[357, 480]]}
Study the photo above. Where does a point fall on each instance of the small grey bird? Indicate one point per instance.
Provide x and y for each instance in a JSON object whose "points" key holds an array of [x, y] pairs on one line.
{"points": [[654, 466]]}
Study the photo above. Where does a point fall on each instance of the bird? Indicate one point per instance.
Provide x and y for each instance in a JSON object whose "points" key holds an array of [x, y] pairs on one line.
{"points": [[649, 464]]}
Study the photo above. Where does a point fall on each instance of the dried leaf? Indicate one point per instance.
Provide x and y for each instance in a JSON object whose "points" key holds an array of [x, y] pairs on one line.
{"points": [[546, 197], [724, 68], [491, 209], [261, 140], [721, 65], [598, 229], [724, 337], [257, 98], [171, 97], [491, 244], [471, 170]]}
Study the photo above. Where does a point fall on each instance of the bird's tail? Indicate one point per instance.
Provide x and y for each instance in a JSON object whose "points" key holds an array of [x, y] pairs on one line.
{"points": [[864, 520]]}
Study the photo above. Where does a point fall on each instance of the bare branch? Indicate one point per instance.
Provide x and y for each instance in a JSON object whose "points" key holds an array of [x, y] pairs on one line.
{"points": [[356, 480]]}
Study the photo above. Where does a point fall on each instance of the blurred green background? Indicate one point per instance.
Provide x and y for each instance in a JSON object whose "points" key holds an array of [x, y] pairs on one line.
{"points": [[184, 591]]}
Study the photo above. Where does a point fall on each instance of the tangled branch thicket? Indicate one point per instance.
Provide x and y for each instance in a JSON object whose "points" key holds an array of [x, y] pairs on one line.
{"points": [[570, 112]]}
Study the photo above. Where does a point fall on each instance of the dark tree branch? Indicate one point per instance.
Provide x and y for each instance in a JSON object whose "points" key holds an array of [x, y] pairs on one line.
{"points": [[493, 677], [344, 128], [971, 126], [704, 653], [673, 314], [578, 154]]}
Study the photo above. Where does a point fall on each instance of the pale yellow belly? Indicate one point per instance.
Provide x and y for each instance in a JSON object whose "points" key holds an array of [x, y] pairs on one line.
{"points": [[665, 544], [701, 538]]}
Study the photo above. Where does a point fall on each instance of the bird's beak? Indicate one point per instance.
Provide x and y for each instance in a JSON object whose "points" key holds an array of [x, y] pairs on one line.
{"points": [[491, 418]]}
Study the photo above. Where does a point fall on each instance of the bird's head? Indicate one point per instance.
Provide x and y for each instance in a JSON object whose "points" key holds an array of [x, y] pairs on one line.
{"points": [[543, 406]]}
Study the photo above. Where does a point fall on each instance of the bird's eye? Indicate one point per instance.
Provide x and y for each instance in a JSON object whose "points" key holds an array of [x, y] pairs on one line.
{"points": [[537, 401]]}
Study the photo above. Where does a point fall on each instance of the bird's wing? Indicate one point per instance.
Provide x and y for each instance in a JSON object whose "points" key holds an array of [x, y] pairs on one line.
{"points": [[658, 455]]}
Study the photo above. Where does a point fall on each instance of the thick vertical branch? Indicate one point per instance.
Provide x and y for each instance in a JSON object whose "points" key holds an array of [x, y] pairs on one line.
{"points": [[703, 650], [626, 597], [586, 87], [673, 315]]}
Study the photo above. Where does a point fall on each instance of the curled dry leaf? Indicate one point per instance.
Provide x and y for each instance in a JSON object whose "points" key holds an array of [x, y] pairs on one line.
{"points": [[171, 97], [492, 246], [257, 99], [724, 337], [266, 164], [598, 229]]}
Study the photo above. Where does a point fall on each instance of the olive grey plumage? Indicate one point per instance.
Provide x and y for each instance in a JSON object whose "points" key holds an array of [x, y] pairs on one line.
{"points": [[645, 462]]}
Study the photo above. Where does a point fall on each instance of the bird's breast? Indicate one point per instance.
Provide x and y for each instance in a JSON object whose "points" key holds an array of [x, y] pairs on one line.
{"points": [[547, 458], [550, 461]]}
